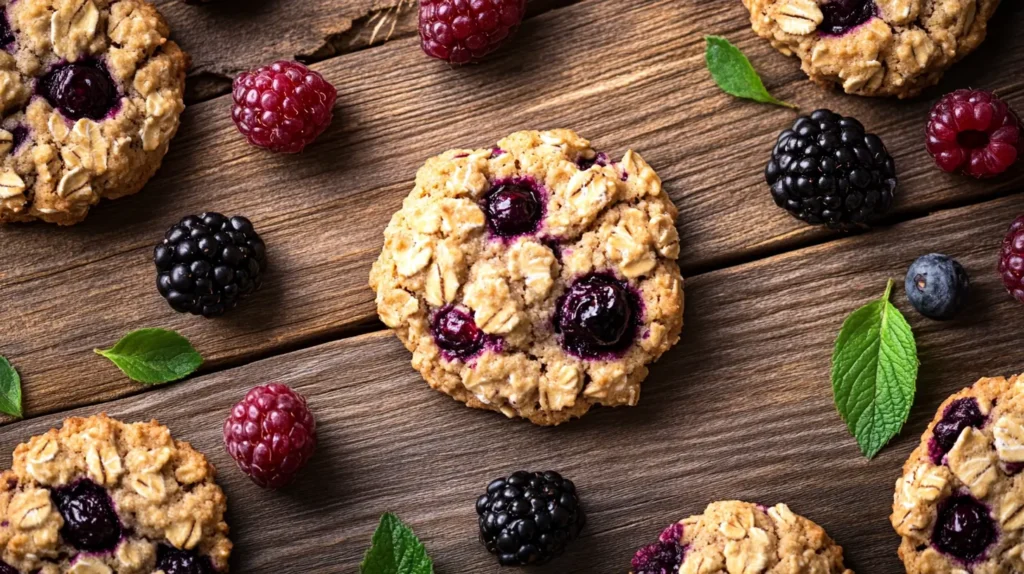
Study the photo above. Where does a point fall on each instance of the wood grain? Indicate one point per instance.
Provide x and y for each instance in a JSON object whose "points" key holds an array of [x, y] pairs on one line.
{"points": [[636, 80], [742, 408]]}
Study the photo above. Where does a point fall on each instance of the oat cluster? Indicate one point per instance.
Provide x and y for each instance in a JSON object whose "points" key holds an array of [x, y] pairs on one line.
{"points": [[53, 167], [163, 492], [983, 463], [906, 47], [739, 537], [598, 217]]}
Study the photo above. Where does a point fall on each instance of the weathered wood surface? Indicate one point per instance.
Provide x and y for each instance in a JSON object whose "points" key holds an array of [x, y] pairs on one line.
{"points": [[636, 80], [742, 408]]}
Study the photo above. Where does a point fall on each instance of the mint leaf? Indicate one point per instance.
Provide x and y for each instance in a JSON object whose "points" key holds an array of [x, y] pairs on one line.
{"points": [[733, 72], [395, 550], [10, 389], [874, 373], [154, 356]]}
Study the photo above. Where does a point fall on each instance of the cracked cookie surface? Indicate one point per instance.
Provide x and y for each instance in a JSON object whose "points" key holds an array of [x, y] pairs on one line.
{"points": [[536, 278], [100, 496], [90, 96], [874, 47], [959, 505], [733, 537]]}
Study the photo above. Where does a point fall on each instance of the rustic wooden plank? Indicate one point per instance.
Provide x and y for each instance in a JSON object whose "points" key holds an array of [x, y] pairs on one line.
{"points": [[635, 80], [742, 408]]}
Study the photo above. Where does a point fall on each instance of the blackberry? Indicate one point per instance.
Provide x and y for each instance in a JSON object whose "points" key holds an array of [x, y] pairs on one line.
{"points": [[529, 517], [827, 170], [208, 262]]}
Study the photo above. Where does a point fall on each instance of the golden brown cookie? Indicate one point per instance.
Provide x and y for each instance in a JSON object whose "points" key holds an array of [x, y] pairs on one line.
{"points": [[874, 47], [100, 496], [959, 505], [536, 278], [90, 94], [734, 537]]}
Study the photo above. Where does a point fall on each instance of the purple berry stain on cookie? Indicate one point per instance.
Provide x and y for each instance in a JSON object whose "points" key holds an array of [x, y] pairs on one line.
{"points": [[599, 158], [6, 568], [841, 16], [456, 333], [597, 316], [960, 414], [19, 134], [663, 557], [90, 522], [963, 528], [173, 561], [514, 207], [79, 90]]}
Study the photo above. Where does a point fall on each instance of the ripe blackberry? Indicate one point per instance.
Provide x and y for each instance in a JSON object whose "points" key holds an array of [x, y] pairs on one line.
{"points": [[1011, 260], [464, 31], [282, 107], [529, 517], [826, 169], [975, 133], [207, 263]]}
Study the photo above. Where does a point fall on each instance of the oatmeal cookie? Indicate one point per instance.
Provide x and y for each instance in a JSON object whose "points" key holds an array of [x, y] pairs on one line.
{"points": [[536, 278], [874, 47], [959, 505], [100, 496], [733, 536], [90, 94]]}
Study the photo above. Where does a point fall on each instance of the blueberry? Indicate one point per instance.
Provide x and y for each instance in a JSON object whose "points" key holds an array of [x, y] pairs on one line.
{"points": [[513, 209], [963, 528], [6, 568], [456, 332], [90, 522], [173, 561], [80, 90], [597, 315], [960, 414], [937, 286]]}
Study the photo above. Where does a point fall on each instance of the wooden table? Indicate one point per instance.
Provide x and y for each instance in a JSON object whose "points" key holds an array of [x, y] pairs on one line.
{"points": [[742, 408]]}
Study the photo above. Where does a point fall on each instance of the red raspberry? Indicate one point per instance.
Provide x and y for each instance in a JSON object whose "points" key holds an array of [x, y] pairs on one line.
{"points": [[282, 107], [1011, 260], [270, 434], [975, 133], [463, 31]]}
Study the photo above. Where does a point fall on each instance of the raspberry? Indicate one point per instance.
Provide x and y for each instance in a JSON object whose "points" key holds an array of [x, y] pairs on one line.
{"points": [[1011, 260], [271, 435], [282, 107], [463, 31], [975, 133]]}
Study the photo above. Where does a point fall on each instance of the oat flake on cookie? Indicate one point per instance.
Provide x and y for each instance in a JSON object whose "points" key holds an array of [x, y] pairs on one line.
{"points": [[536, 278]]}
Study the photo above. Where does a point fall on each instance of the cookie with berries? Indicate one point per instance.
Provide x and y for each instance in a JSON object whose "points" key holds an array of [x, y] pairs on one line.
{"points": [[90, 98], [734, 536], [536, 278], [100, 496], [959, 505], [874, 47]]}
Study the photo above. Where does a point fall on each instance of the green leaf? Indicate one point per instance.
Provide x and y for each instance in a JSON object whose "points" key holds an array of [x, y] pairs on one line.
{"points": [[874, 373], [395, 550], [10, 389], [734, 74], [154, 356]]}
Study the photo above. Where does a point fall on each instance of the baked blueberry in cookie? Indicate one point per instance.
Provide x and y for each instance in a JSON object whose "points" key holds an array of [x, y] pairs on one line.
{"points": [[734, 536], [102, 496], [958, 505], [536, 278], [874, 47], [92, 94]]}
